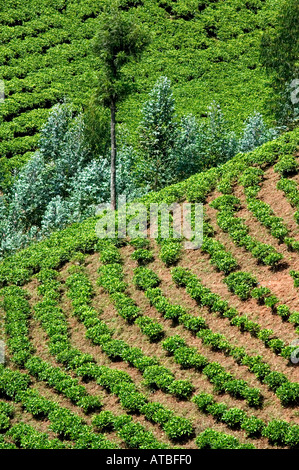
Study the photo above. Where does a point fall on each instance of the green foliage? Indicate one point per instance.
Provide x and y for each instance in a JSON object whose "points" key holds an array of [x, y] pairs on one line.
{"points": [[158, 377], [241, 284], [104, 421], [203, 401], [118, 41], [178, 428], [125, 306], [277, 432], [279, 53], [295, 276], [182, 389], [157, 136], [142, 256], [172, 343], [253, 426], [233, 417], [145, 278], [156, 413], [260, 293], [211, 439], [170, 252], [288, 393], [287, 165], [110, 254], [150, 328]]}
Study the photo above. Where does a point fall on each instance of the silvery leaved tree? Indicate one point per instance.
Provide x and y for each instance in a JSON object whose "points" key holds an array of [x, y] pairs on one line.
{"points": [[158, 133]]}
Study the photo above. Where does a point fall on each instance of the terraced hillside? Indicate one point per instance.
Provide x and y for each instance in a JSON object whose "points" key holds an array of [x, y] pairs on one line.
{"points": [[140, 344], [46, 56]]}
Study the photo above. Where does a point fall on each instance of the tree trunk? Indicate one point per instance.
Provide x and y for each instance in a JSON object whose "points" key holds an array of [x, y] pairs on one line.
{"points": [[113, 157]]}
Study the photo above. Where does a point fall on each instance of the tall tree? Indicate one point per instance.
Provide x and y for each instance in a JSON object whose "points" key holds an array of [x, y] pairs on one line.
{"points": [[280, 56], [158, 130], [120, 39]]}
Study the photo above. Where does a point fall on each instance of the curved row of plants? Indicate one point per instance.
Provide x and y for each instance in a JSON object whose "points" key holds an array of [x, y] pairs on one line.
{"points": [[278, 432], [261, 210], [227, 205], [240, 283], [286, 391], [54, 377], [188, 357], [115, 381], [111, 280]]}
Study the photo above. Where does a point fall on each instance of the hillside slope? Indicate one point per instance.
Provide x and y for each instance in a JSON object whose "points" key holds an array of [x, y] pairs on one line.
{"points": [[145, 345], [209, 50]]}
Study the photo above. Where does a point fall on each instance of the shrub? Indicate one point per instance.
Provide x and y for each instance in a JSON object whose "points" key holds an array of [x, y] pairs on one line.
{"points": [[172, 343], [180, 276], [254, 397], [253, 426], [233, 417], [104, 421], [271, 301], [216, 341], [115, 349], [252, 176], [158, 377], [150, 328], [110, 254], [288, 393], [145, 278], [286, 166], [142, 256], [217, 410], [170, 252], [156, 413], [276, 345], [178, 428], [283, 311], [241, 284], [181, 389], [295, 276], [189, 357], [192, 323], [203, 400], [211, 439], [89, 404], [275, 379], [277, 432], [139, 243], [126, 306], [132, 401]]}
